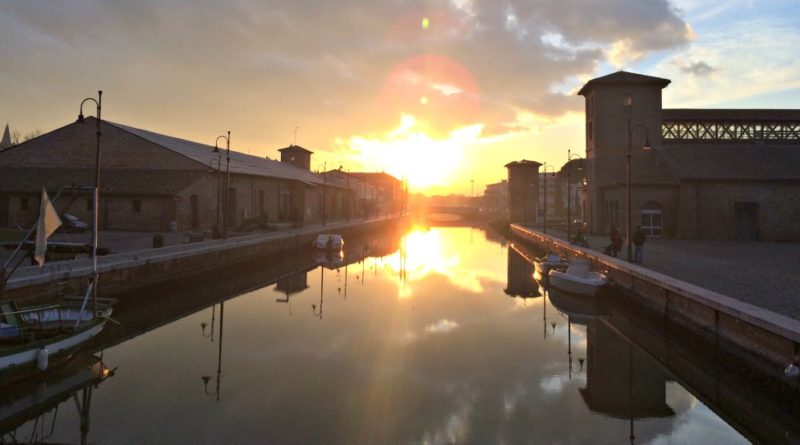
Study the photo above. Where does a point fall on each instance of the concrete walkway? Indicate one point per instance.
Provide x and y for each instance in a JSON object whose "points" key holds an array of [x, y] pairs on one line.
{"points": [[764, 274]]}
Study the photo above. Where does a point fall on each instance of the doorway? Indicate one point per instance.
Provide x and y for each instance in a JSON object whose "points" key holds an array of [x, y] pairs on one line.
{"points": [[195, 212], [652, 224]]}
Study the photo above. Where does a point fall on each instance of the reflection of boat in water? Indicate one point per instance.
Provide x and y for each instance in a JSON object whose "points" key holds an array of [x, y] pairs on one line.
{"points": [[331, 259], [35, 398], [579, 309], [578, 279]]}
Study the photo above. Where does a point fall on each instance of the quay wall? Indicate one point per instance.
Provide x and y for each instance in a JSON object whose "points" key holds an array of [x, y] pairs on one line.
{"points": [[126, 272], [716, 316]]}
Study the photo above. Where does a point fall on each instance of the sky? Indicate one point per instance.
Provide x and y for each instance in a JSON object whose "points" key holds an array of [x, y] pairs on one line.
{"points": [[442, 93]]}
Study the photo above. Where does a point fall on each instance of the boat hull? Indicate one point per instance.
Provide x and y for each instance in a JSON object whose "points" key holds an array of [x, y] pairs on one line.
{"points": [[587, 287]]}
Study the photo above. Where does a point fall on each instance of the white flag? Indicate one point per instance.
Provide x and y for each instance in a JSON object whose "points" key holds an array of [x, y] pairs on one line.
{"points": [[48, 223]]}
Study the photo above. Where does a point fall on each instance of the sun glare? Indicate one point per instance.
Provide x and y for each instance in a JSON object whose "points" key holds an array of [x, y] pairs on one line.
{"points": [[407, 152]]}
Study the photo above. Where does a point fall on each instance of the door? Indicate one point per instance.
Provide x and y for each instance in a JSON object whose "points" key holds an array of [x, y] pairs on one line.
{"points": [[746, 221], [651, 219], [233, 206]]}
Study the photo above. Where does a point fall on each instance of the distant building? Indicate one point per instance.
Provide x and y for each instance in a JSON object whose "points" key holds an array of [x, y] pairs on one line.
{"points": [[523, 191], [711, 174], [495, 198], [149, 180], [390, 197]]}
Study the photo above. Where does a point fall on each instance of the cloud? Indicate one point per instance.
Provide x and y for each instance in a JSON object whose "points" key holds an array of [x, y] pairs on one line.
{"points": [[336, 69], [700, 68]]}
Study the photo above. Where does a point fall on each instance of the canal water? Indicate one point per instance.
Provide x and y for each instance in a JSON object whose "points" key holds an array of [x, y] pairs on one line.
{"points": [[433, 336]]}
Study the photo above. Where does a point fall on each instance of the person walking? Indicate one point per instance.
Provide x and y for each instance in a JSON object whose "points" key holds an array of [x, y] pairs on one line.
{"points": [[638, 243]]}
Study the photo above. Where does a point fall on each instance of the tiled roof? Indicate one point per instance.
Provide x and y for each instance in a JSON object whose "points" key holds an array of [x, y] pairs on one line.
{"points": [[120, 181], [241, 163]]}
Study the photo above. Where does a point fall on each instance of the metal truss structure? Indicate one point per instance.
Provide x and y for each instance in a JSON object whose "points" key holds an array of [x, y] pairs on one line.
{"points": [[724, 131]]}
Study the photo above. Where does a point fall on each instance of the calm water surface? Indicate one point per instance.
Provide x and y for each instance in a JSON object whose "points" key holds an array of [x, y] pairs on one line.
{"points": [[422, 345]]}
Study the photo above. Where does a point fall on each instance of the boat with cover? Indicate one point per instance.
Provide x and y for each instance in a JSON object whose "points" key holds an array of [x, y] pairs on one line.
{"points": [[549, 262], [329, 241], [577, 279]]}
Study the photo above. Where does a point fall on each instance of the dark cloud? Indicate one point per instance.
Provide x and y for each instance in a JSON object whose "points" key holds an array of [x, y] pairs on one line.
{"points": [[700, 69], [264, 67]]}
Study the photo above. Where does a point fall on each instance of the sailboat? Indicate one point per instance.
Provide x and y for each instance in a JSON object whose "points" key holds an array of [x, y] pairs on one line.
{"points": [[32, 339]]}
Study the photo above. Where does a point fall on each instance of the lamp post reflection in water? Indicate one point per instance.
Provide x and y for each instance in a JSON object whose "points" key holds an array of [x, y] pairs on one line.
{"points": [[314, 311], [206, 378], [203, 325]]}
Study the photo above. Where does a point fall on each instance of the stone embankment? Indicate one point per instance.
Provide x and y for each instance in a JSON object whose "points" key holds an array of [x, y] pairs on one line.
{"points": [[760, 331], [125, 272]]}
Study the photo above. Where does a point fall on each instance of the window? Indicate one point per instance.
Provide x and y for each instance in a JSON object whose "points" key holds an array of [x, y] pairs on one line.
{"points": [[23, 203], [137, 205]]}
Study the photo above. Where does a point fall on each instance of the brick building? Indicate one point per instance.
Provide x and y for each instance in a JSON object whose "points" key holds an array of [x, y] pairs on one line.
{"points": [[710, 173], [149, 180]]}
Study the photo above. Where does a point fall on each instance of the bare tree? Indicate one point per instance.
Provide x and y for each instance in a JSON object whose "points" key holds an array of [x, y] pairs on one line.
{"points": [[35, 133]]}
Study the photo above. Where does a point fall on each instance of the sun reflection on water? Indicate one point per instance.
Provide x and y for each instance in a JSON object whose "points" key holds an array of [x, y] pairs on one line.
{"points": [[435, 252]]}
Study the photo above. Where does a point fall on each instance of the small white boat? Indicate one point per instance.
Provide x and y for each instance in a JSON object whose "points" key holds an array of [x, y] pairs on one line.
{"points": [[549, 262], [578, 279], [328, 241]]}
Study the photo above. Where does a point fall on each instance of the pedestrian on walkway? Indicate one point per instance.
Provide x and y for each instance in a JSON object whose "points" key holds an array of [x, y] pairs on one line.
{"points": [[616, 241], [638, 243]]}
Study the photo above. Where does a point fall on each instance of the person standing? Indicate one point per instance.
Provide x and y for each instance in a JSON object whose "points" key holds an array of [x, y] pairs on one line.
{"points": [[638, 243], [616, 241]]}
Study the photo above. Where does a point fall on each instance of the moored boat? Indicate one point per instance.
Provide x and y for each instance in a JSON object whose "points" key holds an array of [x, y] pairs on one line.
{"points": [[549, 262], [329, 241], [33, 339], [577, 279]]}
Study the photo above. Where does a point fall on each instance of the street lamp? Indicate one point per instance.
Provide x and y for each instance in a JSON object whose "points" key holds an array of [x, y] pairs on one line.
{"points": [[544, 220], [646, 146], [96, 199], [227, 180], [570, 157]]}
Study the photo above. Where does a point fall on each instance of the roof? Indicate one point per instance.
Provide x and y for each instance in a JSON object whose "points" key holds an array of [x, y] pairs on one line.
{"points": [[623, 77], [523, 163], [296, 148], [376, 176], [701, 114], [121, 181], [241, 163], [733, 162]]}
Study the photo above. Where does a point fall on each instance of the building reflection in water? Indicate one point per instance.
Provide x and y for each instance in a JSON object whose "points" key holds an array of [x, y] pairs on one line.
{"points": [[206, 379], [520, 281], [621, 380], [291, 285], [29, 410]]}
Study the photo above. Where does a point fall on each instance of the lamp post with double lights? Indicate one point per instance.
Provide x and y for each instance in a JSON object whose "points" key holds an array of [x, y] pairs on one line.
{"points": [[570, 157], [646, 146], [227, 180], [96, 204], [553, 173]]}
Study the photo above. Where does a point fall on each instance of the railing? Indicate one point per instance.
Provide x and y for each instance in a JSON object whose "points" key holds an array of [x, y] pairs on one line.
{"points": [[24, 320], [729, 131]]}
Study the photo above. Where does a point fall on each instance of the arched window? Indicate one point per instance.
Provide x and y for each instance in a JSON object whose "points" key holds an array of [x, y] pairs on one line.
{"points": [[651, 219]]}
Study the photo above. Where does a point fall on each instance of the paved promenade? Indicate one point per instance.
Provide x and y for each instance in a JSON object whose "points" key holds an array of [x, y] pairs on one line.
{"points": [[764, 274]]}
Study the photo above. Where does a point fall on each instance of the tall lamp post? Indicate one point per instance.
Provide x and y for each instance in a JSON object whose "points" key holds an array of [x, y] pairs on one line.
{"points": [[544, 205], [227, 180], [646, 146], [570, 157], [96, 199]]}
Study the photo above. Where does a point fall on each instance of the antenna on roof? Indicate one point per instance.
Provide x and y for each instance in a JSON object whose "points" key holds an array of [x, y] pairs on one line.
{"points": [[295, 135]]}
